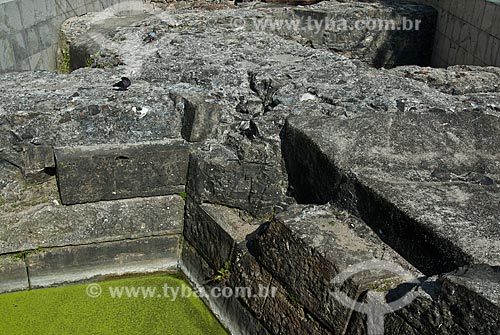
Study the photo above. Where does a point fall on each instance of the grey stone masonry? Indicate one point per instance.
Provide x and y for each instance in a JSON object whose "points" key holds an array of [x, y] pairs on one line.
{"points": [[109, 172]]}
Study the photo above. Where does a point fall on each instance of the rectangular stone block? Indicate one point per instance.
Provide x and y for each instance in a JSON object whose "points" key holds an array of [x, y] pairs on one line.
{"points": [[13, 276], [200, 115], [55, 225], [248, 273], [306, 248], [284, 314], [109, 172], [56, 266], [213, 230], [477, 286]]}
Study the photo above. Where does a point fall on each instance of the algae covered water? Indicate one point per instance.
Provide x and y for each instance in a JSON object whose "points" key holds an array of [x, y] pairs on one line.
{"points": [[153, 305]]}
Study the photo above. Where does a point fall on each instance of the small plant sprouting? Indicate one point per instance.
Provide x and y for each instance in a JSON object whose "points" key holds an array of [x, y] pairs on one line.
{"points": [[21, 255], [183, 195], [224, 273]]}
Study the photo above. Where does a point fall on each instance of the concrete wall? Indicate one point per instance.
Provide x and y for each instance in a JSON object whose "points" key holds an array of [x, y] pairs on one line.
{"points": [[29, 30], [468, 32]]}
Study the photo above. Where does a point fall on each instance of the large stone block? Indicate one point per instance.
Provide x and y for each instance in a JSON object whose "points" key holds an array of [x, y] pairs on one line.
{"points": [[109, 172], [405, 175], [39, 162], [214, 230], [56, 266], [247, 273], [13, 275], [477, 286], [50, 225], [462, 302], [284, 314], [255, 183], [305, 248]]}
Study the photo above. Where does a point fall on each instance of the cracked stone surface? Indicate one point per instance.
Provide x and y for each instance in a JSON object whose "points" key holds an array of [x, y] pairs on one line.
{"points": [[411, 151]]}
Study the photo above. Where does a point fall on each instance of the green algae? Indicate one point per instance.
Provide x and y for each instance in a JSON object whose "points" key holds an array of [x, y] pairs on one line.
{"points": [[70, 310]]}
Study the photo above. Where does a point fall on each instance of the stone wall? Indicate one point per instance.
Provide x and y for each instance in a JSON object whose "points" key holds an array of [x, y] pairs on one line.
{"points": [[29, 30], [468, 32]]}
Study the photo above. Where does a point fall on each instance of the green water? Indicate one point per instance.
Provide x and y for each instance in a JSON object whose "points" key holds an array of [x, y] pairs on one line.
{"points": [[72, 310]]}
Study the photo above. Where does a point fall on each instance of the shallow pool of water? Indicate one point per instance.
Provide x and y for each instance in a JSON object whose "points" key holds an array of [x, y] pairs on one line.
{"points": [[157, 304]]}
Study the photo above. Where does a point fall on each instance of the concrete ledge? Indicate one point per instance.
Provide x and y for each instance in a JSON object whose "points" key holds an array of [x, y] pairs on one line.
{"points": [[79, 263], [13, 275], [110, 172]]}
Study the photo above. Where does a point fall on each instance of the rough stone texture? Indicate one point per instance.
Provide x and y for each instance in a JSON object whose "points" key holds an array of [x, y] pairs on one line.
{"points": [[479, 288], [219, 176], [49, 225], [94, 173], [200, 115], [383, 37], [257, 80], [283, 314], [319, 245], [220, 225], [463, 302], [455, 79], [424, 179], [84, 262], [13, 276], [38, 162], [247, 272]]}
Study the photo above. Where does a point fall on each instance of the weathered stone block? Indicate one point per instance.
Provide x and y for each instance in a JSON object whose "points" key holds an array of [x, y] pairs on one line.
{"points": [[237, 318], [213, 230], [284, 314], [463, 302], [76, 263], [109, 172], [247, 273], [390, 177], [319, 245], [39, 162], [255, 184], [472, 295], [51, 225], [200, 115], [13, 276]]}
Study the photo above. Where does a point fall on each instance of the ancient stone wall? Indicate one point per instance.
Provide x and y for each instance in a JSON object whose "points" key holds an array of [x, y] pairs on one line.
{"points": [[29, 30]]}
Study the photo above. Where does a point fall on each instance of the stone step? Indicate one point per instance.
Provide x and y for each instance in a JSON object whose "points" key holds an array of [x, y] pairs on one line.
{"points": [[307, 247], [424, 181]]}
